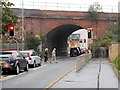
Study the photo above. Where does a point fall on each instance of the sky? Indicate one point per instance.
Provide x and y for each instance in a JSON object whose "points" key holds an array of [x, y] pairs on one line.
{"points": [[102, 2], [107, 5]]}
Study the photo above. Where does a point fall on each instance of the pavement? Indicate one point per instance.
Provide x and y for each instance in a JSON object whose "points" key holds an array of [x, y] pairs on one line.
{"points": [[97, 73]]}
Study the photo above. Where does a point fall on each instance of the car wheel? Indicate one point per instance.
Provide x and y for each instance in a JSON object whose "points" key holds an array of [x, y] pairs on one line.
{"points": [[39, 64], [71, 55], [26, 68], [17, 70]]}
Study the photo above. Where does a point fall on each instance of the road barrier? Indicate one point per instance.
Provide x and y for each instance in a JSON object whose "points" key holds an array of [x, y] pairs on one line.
{"points": [[82, 60]]}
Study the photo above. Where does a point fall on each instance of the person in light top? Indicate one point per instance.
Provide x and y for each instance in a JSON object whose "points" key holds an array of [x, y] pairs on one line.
{"points": [[53, 56]]}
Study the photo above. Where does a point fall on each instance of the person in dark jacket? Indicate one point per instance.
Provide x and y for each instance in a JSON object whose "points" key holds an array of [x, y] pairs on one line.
{"points": [[46, 55]]}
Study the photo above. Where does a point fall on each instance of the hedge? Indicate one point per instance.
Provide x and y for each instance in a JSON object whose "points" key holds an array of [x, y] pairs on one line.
{"points": [[117, 62]]}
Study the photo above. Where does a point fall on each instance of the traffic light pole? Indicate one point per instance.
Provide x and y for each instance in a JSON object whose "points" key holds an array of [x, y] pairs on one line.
{"points": [[16, 43]]}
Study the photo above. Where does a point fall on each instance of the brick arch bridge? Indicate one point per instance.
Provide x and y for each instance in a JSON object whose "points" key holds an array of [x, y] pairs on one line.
{"points": [[58, 25]]}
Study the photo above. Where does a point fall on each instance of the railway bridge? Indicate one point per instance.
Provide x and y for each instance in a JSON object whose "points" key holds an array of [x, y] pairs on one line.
{"points": [[58, 25]]}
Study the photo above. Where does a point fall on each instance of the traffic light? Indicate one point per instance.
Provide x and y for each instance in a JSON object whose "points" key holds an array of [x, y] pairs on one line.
{"points": [[89, 34], [11, 30]]}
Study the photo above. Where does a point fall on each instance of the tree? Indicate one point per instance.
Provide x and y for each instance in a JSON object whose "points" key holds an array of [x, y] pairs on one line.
{"points": [[93, 11], [31, 41], [42, 37], [114, 28], [118, 29], [104, 41], [8, 18]]}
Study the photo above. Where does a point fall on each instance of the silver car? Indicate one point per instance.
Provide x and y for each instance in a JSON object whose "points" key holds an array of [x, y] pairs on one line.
{"points": [[33, 59]]}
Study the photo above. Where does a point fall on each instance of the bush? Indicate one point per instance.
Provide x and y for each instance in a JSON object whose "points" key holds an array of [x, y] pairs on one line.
{"points": [[117, 62], [32, 42], [41, 54]]}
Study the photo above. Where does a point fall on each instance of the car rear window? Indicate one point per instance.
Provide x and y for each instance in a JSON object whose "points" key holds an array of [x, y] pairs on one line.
{"points": [[5, 54]]}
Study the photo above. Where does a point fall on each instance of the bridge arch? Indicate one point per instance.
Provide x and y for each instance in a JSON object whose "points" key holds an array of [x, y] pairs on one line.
{"points": [[58, 38]]}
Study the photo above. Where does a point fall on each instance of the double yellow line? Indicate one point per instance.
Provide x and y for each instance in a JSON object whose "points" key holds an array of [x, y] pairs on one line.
{"points": [[58, 79]]}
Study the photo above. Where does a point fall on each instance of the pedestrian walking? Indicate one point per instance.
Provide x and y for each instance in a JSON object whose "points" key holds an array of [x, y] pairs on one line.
{"points": [[46, 55], [53, 56]]}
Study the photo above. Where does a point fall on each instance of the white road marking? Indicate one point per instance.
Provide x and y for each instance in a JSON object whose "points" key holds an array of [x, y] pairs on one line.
{"points": [[37, 67], [6, 77]]}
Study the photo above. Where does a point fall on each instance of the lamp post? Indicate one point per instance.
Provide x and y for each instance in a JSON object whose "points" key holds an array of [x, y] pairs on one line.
{"points": [[22, 25], [1, 25]]}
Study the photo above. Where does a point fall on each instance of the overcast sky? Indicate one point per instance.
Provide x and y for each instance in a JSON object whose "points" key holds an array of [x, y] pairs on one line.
{"points": [[107, 5], [102, 2]]}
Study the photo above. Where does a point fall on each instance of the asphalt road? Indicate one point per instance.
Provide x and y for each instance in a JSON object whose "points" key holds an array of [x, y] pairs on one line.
{"points": [[39, 77]]}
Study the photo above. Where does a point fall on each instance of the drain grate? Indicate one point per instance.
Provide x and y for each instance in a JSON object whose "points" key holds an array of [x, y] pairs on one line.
{"points": [[69, 81]]}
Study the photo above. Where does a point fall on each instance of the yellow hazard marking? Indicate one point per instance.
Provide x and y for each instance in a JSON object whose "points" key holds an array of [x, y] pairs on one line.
{"points": [[58, 79]]}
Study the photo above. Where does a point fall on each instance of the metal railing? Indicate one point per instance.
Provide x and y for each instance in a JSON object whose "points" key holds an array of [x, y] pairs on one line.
{"points": [[17, 46], [82, 60], [34, 4]]}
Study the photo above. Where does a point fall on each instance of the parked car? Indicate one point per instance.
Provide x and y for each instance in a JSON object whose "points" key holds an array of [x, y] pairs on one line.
{"points": [[13, 61], [74, 52], [32, 57]]}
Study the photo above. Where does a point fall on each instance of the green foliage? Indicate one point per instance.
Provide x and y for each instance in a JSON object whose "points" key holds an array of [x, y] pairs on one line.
{"points": [[114, 28], [117, 62], [104, 41], [107, 36], [93, 11], [118, 29], [42, 37], [41, 54], [8, 18], [31, 41], [99, 43]]}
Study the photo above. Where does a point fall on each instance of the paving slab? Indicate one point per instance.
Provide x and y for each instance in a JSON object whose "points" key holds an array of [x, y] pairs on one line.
{"points": [[87, 77], [107, 75]]}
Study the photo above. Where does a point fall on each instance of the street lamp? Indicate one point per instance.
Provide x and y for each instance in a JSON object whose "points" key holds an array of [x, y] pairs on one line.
{"points": [[1, 7], [22, 25]]}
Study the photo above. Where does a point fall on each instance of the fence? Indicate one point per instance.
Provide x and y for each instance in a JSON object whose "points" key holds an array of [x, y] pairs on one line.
{"points": [[17, 46], [82, 60], [34, 4], [114, 50]]}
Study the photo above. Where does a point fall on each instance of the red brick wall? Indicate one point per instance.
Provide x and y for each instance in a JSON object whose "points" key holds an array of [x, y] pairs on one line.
{"points": [[44, 25]]}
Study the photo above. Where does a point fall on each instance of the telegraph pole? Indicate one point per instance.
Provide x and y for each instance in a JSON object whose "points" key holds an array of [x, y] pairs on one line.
{"points": [[22, 25], [1, 25]]}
